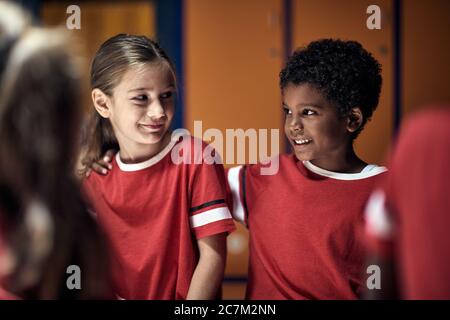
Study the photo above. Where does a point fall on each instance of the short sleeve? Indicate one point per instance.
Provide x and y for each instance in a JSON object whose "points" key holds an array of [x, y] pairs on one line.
{"points": [[209, 213]]}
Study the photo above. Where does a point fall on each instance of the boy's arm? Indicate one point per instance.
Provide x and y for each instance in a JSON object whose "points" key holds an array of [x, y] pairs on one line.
{"points": [[103, 165], [208, 275]]}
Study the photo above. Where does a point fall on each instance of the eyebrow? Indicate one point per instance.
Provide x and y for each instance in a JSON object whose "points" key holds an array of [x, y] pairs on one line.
{"points": [[172, 86], [305, 105]]}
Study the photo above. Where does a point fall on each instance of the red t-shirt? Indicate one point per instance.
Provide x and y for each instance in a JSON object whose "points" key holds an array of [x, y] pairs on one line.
{"points": [[408, 217], [302, 222], [153, 212]]}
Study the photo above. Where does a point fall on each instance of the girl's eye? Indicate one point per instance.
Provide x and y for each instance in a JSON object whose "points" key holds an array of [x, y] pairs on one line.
{"points": [[140, 98], [167, 95], [287, 112]]}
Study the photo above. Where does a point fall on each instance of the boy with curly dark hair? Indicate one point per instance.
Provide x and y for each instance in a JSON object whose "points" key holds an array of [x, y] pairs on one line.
{"points": [[303, 221]]}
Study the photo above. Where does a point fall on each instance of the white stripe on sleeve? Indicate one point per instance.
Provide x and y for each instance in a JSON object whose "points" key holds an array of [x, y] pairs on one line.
{"points": [[235, 186], [210, 216]]}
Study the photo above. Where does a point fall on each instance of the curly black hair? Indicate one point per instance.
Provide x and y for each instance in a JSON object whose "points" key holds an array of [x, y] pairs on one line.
{"points": [[347, 74]]}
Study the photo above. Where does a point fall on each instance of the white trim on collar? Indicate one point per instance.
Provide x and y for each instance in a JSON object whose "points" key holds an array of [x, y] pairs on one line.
{"points": [[369, 171], [150, 162]]}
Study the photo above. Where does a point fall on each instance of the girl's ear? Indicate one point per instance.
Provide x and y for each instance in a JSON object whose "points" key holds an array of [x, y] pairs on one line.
{"points": [[101, 103], [355, 119]]}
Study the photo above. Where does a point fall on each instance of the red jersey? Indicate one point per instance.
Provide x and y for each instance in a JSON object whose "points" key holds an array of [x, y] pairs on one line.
{"points": [[153, 212], [408, 218], [302, 222]]}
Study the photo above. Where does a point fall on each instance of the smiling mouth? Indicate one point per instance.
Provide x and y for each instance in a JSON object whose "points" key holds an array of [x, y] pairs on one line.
{"points": [[153, 127], [299, 142]]}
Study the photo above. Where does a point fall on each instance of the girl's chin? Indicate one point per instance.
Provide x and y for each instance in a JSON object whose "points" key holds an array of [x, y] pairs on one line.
{"points": [[156, 137], [153, 140]]}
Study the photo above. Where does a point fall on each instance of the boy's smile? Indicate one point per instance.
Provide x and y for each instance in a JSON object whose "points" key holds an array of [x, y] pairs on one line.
{"points": [[315, 129]]}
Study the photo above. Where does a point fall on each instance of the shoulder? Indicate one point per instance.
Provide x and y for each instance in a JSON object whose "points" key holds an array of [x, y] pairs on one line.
{"points": [[273, 167], [96, 180], [422, 128], [190, 150], [429, 120], [263, 174]]}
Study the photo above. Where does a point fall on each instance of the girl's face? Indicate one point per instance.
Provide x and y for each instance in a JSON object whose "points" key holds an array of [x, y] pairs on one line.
{"points": [[142, 108], [313, 126]]}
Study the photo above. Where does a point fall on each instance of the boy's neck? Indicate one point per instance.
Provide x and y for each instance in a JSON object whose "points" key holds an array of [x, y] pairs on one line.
{"points": [[141, 153], [349, 162]]}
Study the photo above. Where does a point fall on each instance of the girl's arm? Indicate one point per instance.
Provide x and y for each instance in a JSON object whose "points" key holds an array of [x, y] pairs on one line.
{"points": [[208, 274]]}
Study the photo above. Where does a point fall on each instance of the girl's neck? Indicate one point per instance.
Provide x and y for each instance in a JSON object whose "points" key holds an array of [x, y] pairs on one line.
{"points": [[141, 153]]}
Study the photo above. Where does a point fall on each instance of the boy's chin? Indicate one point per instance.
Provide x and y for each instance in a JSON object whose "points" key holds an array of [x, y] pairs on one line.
{"points": [[302, 157]]}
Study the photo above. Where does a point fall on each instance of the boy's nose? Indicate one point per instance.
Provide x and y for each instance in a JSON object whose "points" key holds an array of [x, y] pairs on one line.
{"points": [[156, 111], [296, 125]]}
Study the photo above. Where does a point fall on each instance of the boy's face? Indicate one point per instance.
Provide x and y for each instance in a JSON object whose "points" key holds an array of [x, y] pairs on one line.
{"points": [[313, 126]]}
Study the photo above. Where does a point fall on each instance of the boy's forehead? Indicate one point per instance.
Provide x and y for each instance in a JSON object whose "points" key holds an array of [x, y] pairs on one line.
{"points": [[303, 93]]}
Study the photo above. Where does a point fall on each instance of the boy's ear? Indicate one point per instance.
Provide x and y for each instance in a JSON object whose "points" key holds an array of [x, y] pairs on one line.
{"points": [[355, 119], [101, 103]]}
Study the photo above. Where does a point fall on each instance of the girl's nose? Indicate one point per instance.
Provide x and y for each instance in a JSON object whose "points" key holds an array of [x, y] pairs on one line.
{"points": [[156, 110]]}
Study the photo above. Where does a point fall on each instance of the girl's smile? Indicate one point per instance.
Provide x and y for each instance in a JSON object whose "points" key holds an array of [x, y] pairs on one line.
{"points": [[141, 110], [151, 128]]}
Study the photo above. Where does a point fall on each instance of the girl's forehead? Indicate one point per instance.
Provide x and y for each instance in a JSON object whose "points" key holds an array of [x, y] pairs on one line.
{"points": [[147, 74]]}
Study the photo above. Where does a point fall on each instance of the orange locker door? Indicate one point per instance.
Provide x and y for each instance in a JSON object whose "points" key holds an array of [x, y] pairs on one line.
{"points": [[103, 19], [99, 21], [233, 54], [426, 50]]}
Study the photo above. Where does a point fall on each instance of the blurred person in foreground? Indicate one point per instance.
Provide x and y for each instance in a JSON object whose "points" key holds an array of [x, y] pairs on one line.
{"points": [[408, 216], [44, 224]]}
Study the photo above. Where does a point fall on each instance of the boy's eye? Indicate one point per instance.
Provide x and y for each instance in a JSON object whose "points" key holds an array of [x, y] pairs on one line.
{"points": [[308, 112], [167, 95], [287, 112]]}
